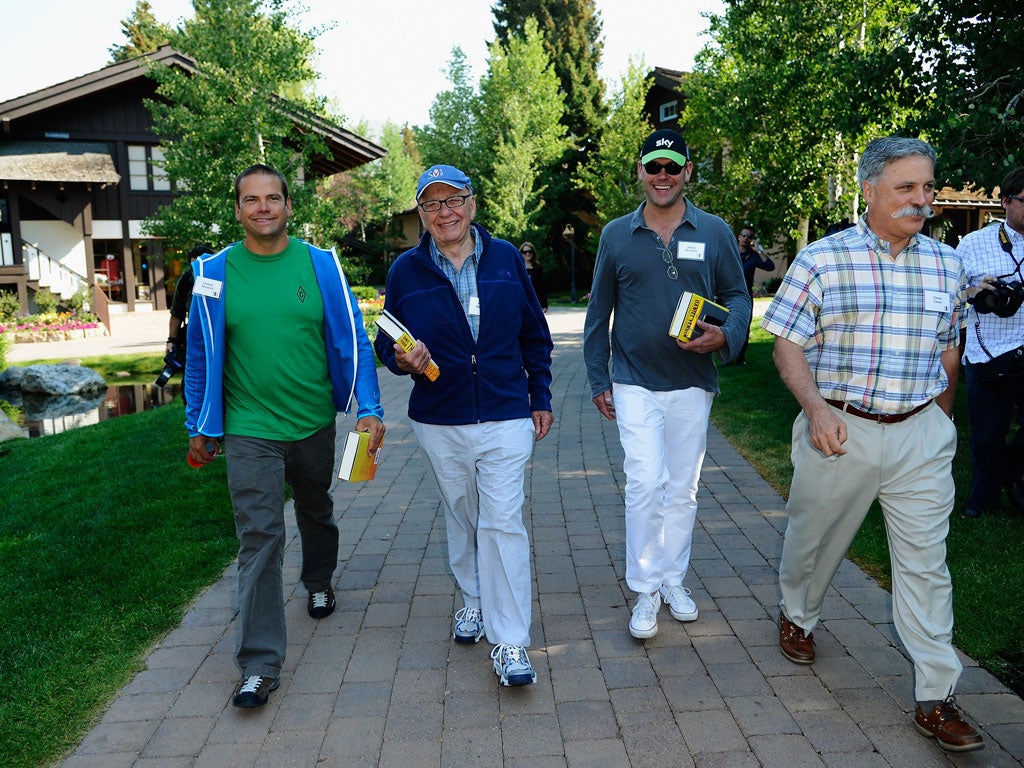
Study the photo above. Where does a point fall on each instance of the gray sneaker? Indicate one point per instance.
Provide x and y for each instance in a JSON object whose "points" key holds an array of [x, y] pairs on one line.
{"points": [[469, 626], [512, 665]]}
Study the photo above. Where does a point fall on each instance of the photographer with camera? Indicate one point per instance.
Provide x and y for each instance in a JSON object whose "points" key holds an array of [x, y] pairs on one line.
{"points": [[994, 352], [174, 359]]}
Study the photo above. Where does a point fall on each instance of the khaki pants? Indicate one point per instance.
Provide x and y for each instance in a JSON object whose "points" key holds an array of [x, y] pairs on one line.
{"points": [[907, 467]]}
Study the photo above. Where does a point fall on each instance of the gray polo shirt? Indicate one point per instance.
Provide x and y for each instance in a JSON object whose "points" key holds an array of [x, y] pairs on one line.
{"points": [[631, 280]]}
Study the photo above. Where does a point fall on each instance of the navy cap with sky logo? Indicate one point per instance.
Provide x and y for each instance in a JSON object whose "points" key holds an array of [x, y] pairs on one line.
{"points": [[665, 144]]}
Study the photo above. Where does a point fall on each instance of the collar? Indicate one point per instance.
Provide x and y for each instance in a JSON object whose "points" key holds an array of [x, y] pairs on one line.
{"points": [[877, 244], [478, 249]]}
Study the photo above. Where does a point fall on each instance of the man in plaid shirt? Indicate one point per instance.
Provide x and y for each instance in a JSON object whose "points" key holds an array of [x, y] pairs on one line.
{"points": [[867, 325]]}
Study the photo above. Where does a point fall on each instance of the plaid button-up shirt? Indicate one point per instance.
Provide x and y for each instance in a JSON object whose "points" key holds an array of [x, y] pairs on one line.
{"points": [[872, 327], [463, 280], [983, 255]]}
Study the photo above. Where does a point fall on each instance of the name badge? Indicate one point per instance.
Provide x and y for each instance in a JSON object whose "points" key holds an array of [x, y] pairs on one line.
{"points": [[936, 301], [207, 286], [474, 305], [691, 251]]}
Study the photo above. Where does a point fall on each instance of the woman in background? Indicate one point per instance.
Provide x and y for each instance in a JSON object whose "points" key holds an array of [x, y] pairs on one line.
{"points": [[533, 268]]}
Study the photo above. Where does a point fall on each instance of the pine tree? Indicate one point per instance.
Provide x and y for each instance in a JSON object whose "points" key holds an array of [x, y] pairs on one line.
{"points": [[571, 30], [143, 32], [572, 39]]}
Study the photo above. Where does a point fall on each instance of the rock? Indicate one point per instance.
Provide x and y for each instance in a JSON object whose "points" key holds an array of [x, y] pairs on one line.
{"points": [[61, 380], [9, 430], [11, 377]]}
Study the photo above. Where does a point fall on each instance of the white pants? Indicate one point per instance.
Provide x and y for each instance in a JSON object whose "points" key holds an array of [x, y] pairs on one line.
{"points": [[480, 470], [907, 467], [664, 436]]}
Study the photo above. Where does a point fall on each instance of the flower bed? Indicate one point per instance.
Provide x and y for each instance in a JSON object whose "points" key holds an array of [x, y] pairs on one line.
{"points": [[52, 327]]}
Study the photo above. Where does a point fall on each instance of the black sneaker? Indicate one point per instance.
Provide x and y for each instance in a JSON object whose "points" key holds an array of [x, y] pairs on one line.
{"points": [[321, 604], [254, 691]]}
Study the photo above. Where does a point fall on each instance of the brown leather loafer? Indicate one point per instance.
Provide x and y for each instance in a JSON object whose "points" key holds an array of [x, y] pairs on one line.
{"points": [[794, 644], [947, 726]]}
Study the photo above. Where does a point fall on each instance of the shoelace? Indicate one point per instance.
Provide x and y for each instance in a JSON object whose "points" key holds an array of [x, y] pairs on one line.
{"points": [[319, 599], [251, 685], [646, 607], [466, 615], [509, 654], [672, 594]]}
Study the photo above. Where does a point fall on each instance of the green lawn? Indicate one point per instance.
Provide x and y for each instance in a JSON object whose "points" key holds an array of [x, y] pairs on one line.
{"points": [[99, 554]]}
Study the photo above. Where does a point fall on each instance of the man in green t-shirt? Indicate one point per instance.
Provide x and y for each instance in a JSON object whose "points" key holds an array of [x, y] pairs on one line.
{"points": [[276, 348]]}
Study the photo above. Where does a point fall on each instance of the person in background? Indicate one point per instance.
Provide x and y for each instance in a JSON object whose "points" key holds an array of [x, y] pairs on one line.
{"points": [[536, 273], [753, 259], [276, 349], [177, 337], [995, 327], [657, 389], [867, 326], [465, 296]]}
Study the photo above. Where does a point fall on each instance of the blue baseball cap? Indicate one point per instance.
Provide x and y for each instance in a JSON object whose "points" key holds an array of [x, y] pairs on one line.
{"points": [[443, 174]]}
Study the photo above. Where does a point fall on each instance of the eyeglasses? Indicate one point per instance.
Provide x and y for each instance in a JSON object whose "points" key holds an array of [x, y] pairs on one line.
{"points": [[671, 168], [1018, 198], [453, 202], [666, 255], [527, 250]]}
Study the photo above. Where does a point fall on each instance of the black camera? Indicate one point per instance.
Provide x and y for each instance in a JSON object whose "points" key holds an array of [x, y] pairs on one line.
{"points": [[1004, 300], [174, 361]]}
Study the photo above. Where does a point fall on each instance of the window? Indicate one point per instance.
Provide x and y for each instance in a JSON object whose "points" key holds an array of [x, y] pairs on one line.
{"points": [[669, 111], [145, 169]]}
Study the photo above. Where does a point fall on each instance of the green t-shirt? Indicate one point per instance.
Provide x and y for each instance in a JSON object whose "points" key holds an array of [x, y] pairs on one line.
{"points": [[276, 384]]}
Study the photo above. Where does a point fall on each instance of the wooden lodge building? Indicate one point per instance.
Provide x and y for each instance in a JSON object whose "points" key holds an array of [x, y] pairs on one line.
{"points": [[78, 176]]}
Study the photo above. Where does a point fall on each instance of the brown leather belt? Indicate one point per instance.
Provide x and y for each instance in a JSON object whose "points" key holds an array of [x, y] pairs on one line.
{"points": [[880, 418]]}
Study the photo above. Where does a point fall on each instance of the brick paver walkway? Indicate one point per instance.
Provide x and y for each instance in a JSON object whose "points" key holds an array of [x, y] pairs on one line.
{"points": [[380, 683]]}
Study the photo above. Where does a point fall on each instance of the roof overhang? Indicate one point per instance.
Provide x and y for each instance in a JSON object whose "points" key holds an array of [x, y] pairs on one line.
{"points": [[345, 149], [60, 161]]}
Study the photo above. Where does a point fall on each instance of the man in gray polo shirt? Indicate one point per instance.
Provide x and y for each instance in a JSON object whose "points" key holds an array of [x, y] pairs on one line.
{"points": [[659, 390]]}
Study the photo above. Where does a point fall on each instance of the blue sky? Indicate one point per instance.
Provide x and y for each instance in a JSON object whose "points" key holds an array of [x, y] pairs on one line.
{"points": [[381, 60]]}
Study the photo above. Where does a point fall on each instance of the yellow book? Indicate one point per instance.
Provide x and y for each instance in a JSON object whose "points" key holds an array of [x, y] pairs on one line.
{"points": [[398, 333], [356, 464], [689, 310]]}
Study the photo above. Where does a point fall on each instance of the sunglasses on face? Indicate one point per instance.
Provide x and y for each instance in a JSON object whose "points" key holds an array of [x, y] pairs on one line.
{"points": [[671, 168], [527, 250]]}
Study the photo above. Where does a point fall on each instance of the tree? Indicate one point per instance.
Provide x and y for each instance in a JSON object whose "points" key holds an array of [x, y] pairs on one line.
{"points": [[143, 32], [972, 87], [369, 197], [229, 115], [610, 172], [783, 99], [521, 109], [571, 31], [453, 136]]}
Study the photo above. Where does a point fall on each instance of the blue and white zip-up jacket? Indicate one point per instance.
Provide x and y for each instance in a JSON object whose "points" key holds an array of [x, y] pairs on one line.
{"points": [[350, 362], [504, 374]]}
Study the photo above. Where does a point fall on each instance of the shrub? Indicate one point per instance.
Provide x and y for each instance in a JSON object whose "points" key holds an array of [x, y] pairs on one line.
{"points": [[9, 305], [77, 302], [47, 301], [365, 292]]}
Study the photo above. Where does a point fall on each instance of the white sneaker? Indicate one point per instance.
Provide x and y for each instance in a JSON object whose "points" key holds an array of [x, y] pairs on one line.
{"points": [[679, 604], [644, 622]]}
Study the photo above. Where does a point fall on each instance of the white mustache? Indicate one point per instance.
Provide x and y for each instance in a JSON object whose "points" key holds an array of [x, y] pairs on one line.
{"points": [[912, 210]]}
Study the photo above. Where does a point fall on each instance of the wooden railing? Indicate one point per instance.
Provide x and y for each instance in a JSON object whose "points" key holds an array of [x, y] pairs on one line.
{"points": [[49, 273]]}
